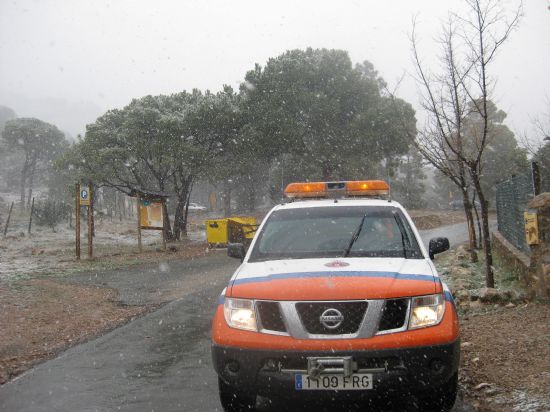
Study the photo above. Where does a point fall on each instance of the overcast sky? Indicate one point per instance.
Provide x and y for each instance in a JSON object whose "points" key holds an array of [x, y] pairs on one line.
{"points": [[108, 52]]}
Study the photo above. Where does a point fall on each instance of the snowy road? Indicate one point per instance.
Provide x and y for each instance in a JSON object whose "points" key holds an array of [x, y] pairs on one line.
{"points": [[456, 234]]}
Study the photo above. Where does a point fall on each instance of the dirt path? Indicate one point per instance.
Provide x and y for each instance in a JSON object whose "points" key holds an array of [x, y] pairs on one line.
{"points": [[506, 356], [42, 317]]}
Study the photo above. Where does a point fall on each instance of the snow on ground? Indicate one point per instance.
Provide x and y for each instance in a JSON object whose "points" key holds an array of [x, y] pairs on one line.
{"points": [[47, 251]]}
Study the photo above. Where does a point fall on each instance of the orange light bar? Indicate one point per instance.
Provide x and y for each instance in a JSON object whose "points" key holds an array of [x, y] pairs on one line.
{"points": [[367, 188], [324, 189], [312, 189]]}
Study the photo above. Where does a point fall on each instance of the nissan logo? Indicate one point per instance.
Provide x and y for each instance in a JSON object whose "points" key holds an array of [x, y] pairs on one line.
{"points": [[331, 318]]}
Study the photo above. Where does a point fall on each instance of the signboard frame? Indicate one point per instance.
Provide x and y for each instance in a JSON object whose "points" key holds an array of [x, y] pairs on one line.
{"points": [[148, 208], [153, 197]]}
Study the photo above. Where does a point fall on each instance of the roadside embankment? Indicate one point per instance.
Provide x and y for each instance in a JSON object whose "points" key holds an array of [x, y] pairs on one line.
{"points": [[505, 364]]}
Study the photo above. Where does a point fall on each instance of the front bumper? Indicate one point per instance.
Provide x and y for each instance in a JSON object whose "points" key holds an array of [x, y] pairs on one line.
{"points": [[406, 370]]}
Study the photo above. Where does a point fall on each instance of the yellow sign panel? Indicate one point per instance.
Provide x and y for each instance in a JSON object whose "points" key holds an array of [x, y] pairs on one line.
{"points": [[84, 196], [531, 228], [150, 214]]}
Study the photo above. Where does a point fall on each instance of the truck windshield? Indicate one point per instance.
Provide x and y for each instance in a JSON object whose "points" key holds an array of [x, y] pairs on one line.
{"points": [[353, 231]]}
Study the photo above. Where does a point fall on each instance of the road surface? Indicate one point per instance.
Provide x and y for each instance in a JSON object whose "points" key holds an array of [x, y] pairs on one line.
{"points": [[160, 362], [457, 233]]}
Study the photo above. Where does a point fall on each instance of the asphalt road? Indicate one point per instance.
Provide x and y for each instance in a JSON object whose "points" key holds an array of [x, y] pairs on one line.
{"points": [[160, 362], [457, 233]]}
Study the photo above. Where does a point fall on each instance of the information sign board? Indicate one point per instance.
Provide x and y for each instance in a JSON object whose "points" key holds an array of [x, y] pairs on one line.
{"points": [[151, 215]]}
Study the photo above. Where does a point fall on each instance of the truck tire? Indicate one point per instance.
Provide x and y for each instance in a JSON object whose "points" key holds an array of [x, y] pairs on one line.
{"points": [[233, 400], [442, 399]]}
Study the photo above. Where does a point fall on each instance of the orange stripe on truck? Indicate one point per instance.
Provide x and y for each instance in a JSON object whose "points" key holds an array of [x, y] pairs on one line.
{"points": [[333, 288]]}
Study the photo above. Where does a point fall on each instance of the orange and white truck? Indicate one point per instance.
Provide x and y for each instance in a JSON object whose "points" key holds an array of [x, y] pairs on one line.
{"points": [[337, 296]]}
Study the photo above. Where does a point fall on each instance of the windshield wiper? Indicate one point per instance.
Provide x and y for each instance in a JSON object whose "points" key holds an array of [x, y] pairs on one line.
{"points": [[404, 239], [355, 235]]}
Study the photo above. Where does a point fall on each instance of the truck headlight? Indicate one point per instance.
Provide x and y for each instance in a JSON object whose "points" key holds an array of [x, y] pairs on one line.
{"points": [[426, 311], [240, 314]]}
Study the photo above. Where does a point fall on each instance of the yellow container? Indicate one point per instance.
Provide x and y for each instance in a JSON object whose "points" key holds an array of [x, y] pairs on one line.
{"points": [[216, 231], [219, 232], [249, 225]]}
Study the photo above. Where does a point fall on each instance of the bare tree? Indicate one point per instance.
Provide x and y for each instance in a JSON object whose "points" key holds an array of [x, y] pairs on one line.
{"points": [[442, 135], [458, 129], [441, 140], [538, 144]]}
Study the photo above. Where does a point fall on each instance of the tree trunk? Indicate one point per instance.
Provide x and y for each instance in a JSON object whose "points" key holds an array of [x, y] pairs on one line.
{"points": [[123, 206], [471, 227], [184, 229], [478, 222], [22, 186], [251, 194], [167, 229], [166, 222], [489, 276], [180, 217], [31, 181], [227, 199]]}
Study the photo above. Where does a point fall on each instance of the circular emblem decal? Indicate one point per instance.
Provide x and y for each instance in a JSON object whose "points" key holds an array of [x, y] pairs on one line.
{"points": [[331, 318], [337, 264]]}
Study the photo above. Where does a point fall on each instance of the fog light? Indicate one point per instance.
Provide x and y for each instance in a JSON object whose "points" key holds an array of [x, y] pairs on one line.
{"points": [[232, 366], [271, 365]]}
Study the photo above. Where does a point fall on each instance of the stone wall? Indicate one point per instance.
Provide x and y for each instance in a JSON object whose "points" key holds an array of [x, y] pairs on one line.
{"points": [[540, 254], [513, 258]]}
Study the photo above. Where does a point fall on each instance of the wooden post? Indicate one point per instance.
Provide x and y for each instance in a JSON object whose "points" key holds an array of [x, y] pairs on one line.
{"points": [[163, 230], [30, 218], [90, 223], [139, 223], [8, 221], [92, 207], [77, 220]]}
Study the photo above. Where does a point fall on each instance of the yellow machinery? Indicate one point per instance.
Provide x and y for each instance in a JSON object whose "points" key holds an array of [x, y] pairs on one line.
{"points": [[220, 232]]}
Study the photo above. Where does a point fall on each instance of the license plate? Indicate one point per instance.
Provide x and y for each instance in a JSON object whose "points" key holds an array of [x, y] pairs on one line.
{"points": [[357, 382]]}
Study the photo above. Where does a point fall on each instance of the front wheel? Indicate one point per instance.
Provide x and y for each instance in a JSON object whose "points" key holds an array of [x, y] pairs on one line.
{"points": [[441, 399], [233, 400]]}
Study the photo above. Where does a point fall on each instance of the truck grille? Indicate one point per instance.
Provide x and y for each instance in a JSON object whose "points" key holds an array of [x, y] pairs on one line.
{"points": [[352, 313], [394, 314], [270, 316]]}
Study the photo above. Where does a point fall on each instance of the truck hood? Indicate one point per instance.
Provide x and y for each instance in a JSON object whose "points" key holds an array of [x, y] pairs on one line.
{"points": [[333, 279]]}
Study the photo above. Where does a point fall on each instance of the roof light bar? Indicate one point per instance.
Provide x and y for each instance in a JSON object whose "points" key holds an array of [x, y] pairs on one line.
{"points": [[329, 189], [312, 189], [367, 188]]}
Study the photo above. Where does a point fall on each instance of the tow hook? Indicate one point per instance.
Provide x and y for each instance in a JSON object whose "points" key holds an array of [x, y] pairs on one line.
{"points": [[341, 366]]}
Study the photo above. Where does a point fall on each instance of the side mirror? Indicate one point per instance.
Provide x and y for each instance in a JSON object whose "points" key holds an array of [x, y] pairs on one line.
{"points": [[438, 245], [236, 250]]}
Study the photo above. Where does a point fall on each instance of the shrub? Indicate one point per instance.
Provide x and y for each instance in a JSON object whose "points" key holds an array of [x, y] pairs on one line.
{"points": [[50, 212]]}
